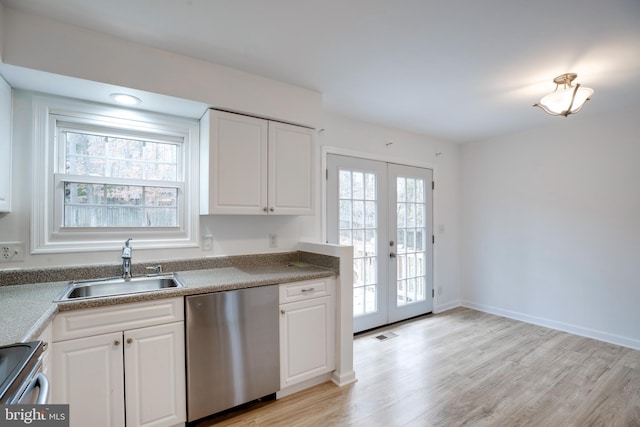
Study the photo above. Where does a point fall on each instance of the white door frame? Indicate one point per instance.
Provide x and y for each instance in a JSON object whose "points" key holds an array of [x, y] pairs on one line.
{"points": [[326, 150]]}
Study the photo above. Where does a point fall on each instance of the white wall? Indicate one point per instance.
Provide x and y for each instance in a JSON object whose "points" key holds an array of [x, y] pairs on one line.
{"points": [[551, 225], [42, 44]]}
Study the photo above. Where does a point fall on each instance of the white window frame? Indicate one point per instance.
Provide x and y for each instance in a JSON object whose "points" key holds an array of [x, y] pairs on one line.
{"points": [[47, 232]]}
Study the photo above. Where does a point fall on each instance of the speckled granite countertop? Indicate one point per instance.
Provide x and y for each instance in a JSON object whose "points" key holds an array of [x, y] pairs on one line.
{"points": [[25, 310]]}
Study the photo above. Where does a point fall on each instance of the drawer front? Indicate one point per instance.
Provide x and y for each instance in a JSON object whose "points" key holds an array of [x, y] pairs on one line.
{"points": [[299, 291], [102, 320]]}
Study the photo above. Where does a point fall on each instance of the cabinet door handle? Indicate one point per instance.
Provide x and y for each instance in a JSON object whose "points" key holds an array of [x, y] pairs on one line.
{"points": [[271, 209], [264, 209], [116, 342], [307, 290], [283, 311], [129, 340]]}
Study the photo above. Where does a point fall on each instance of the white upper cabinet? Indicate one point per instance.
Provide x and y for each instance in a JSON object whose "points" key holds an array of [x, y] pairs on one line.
{"points": [[233, 164], [290, 169], [5, 146], [252, 166]]}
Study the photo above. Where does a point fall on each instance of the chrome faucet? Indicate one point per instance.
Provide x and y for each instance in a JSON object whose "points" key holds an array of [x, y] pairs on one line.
{"points": [[157, 269], [126, 260]]}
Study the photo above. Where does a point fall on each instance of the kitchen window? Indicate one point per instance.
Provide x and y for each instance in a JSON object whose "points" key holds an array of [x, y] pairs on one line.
{"points": [[118, 179], [105, 174]]}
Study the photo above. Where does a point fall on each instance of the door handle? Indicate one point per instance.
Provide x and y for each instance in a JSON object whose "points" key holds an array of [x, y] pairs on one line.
{"points": [[392, 254], [42, 382]]}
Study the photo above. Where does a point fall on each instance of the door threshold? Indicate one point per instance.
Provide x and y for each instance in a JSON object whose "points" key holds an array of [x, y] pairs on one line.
{"points": [[389, 325]]}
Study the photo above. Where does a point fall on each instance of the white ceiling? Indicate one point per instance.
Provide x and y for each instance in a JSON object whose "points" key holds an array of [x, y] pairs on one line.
{"points": [[458, 70]]}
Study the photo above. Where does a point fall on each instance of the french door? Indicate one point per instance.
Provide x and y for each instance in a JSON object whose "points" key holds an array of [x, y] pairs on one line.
{"points": [[384, 211]]}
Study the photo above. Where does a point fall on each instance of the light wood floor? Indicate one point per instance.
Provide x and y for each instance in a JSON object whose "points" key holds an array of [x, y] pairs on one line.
{"points": [[466, 368]]}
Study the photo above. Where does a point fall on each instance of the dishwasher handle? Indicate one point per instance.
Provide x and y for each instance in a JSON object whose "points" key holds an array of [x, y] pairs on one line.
{"points": [[42, 382]]}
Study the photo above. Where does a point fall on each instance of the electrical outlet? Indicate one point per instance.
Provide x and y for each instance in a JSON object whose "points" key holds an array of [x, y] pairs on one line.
{"points": [[207, 242], [273, 240], [11, 252]]}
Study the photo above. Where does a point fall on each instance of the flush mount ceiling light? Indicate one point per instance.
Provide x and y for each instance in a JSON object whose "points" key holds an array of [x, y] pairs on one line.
{"points": [[124, 99], [566, 98]]}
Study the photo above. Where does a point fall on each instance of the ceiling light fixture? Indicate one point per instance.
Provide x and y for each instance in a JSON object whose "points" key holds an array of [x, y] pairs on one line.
{"points": [[567, 99], [124, 99]]}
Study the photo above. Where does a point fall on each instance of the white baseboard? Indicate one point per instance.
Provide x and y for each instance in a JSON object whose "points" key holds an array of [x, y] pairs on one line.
{"points": [[439, 308], [339, 380], [344, 378], [303, 385], [553, 324]]}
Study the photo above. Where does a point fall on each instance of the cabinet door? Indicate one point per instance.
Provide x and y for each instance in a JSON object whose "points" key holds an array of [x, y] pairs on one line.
{"points": [[307, 334], [155, 375], [233, 164], [87, 374], [5, 146], [291, 168]]}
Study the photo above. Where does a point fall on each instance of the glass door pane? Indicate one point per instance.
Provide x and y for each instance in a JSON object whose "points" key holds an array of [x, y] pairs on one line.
{"points": [[357, 197], [358, 227], [410, 198]]}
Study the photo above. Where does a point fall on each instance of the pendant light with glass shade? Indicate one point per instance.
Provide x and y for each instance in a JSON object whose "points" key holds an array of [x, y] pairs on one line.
{"points": [[566, 98]]}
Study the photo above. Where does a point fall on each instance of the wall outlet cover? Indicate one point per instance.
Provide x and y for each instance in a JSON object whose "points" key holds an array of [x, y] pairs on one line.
{"points": [[11, 252], [207, 242]]}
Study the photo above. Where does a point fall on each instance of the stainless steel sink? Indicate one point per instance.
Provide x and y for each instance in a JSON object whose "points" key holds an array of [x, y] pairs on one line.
{"points": [[119, 286]]}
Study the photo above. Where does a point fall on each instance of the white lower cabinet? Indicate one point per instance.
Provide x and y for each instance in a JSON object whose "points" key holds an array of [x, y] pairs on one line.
{"points": [[134, 376], [154, 372], [88, 376], [307, 330]]}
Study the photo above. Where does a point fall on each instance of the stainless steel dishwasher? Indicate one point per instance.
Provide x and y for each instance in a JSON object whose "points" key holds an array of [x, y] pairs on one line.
{"points": [[232, 341]]}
